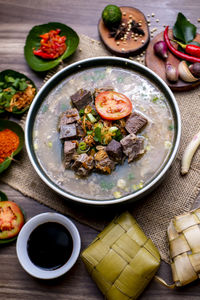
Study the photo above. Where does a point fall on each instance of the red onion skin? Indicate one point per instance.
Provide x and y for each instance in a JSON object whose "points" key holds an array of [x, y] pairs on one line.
{"points": [[195, 69], [160, 49]]}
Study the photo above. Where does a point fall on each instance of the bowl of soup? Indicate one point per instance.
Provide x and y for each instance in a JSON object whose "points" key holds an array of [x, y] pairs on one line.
{"points": [[129, 180]]}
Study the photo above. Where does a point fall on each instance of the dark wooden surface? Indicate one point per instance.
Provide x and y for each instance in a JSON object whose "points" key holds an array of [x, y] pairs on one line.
{"points": [[16, 19]]}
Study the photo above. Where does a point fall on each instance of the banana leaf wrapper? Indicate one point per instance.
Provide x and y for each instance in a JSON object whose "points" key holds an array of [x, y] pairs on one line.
{"points": [[121, 260], [184, 244]]}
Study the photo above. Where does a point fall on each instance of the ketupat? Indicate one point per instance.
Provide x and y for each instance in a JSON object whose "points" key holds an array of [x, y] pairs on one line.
{"points": [[121, 260], [184, 242]]}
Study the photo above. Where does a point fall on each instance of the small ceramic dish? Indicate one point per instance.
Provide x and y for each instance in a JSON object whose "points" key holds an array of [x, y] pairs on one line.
{"points": [[22, 241]]}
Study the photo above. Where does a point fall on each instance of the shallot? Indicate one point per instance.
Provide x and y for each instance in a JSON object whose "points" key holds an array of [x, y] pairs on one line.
{"points": [[160, 49], [195, 69]]}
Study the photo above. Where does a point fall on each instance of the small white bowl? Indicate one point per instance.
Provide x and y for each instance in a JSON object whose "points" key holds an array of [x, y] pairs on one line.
{"points": [[24, 235]]}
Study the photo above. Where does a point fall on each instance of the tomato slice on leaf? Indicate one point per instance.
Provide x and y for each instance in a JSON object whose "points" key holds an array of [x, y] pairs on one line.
{"points": [[11, 220], [112, 105]]}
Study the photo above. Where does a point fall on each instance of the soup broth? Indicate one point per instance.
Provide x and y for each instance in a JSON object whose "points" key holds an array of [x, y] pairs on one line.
{"points": [[126, 178]]}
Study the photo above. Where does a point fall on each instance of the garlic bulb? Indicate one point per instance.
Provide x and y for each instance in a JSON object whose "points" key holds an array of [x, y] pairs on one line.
{"points": [[185, 73]]}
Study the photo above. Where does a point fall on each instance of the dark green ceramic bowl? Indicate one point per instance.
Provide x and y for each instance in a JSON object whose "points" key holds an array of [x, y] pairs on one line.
{"points": [[93, 63]]}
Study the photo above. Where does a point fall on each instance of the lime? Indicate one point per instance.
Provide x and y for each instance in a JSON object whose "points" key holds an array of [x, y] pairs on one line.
{"points": [[111, 16]]}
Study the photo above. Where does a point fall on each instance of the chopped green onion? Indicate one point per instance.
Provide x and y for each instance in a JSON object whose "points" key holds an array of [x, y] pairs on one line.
{"points": [[113, 129], [91, 118], [89, 132], [81, 112], [82, 148]]}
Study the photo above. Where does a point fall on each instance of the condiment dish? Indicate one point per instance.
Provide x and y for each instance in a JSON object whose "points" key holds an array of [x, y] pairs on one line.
{"points": [[24, 237]]}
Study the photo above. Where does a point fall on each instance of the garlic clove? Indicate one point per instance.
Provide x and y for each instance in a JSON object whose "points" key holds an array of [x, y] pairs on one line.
{"points": [[171, 72], [185, 73]]}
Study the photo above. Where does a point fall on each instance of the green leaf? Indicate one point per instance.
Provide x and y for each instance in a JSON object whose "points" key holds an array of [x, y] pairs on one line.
{"points": [[3, 196], [97, 134], [22, 85], [33, 41], [183, 30], [22, 78], [118, 135], [6, 124], [194, 43]]}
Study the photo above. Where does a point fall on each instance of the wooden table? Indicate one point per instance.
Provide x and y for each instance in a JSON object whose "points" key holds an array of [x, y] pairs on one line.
{"points": [[16, 19]]}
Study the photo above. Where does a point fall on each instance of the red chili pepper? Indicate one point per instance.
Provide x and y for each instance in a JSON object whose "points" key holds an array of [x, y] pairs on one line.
{"points": [[43, 54], [176, 52], [190, 49]]}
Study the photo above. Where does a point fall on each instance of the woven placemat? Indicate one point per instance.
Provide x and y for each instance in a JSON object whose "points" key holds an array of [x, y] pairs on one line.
{"points": [[174, 196]]}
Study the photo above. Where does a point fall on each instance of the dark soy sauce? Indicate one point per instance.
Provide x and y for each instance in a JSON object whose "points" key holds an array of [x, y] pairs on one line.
{"points": [[50, 246]]}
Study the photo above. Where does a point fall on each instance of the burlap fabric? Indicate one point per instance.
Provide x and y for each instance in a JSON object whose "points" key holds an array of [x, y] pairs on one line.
{"points": [[174, 196]]}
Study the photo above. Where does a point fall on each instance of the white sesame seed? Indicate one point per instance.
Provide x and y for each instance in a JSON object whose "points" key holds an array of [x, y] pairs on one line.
{"points": [[138, 58], [148, 16], [153, 15], [142, 41], [188, 20], [118, 43], [141, 54], [140, 24], [123, 24], [130, 16], [136, 34], [157, 20], [148, 21], [124, 13], [149, 24], [198, 20], [121, 38], [135, 39], [140, 35], [122, 49], [80, 49]]}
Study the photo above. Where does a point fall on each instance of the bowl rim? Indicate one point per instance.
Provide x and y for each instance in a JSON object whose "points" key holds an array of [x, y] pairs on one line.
{"points": [[27, 229], [154, 182]]}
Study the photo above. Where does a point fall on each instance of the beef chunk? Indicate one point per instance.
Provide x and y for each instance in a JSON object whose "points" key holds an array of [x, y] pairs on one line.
{"points": [[68, 117], [80, 131], [114, 150], [135, 122], [132, 146], [81, 98], [83, 164], [69, 150], [103, 162], [68, 131]]}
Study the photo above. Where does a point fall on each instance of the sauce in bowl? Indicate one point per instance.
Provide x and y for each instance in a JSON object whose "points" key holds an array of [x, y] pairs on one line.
{"points": [[50, 246]]}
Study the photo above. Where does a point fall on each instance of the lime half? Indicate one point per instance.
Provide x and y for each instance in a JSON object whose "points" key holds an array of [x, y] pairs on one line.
{"points": [[111, 16]]}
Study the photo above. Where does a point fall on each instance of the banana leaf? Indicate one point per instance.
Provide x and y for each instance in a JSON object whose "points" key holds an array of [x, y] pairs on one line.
{"points": [[33, 41], [6, 124]]}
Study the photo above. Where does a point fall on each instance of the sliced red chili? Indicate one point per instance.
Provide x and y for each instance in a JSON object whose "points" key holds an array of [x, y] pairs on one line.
{"points": [[52, 45]]}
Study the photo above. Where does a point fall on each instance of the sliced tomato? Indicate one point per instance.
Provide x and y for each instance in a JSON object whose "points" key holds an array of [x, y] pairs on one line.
{"points": [[11, 219], [112, 105]]}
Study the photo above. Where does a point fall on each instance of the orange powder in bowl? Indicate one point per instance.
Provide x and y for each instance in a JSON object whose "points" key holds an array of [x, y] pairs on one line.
{"points": [[9, 142]]}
